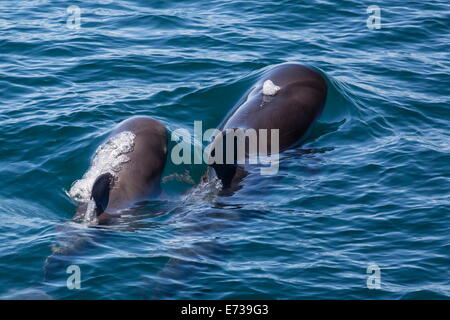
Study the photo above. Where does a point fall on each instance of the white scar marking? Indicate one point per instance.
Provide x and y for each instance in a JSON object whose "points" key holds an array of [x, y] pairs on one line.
{"points": [[269, 88]]}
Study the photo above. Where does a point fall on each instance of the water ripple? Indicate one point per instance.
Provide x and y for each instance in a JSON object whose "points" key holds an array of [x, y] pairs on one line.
{"points": [[369, 185]]}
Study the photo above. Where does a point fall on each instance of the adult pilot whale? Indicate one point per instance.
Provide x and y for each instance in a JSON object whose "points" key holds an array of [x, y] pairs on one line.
{"points": [[125, 169], [288, 97]]}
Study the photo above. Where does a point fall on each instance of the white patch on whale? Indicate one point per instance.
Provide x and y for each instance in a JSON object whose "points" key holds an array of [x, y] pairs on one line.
{"points": [[269, 88], [109, 157]]}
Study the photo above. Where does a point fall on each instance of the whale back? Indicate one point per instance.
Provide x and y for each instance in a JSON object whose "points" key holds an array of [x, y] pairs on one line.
{"points": [[125, 169], [292, 110], [139, 178], [295, 98]]}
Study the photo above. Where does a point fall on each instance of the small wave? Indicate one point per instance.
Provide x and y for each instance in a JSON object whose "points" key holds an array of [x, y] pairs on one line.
{"points": [[109, 157]]}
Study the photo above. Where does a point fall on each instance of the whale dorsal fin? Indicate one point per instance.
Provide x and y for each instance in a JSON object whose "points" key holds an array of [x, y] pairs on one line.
{"points": [[100, 192], [225, 171]]}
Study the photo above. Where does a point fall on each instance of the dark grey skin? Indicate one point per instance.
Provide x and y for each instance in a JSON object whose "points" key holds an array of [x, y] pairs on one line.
{"points": [[292, 110], [139, 178]]}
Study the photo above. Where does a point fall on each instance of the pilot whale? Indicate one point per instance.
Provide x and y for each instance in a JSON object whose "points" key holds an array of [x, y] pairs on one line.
{"points": [[125, 169], [287, 98]]}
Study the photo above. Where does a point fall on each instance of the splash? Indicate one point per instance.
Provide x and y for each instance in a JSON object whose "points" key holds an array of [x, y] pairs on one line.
{"points": [[180, 177], [109, 157], [90, 216]]}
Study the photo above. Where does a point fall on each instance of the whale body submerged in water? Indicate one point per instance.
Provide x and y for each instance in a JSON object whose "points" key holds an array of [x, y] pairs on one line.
{"points": [[286, 101], [127, 168]]}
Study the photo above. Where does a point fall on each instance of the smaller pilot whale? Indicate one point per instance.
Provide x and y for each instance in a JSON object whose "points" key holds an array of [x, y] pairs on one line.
{"points": [[288, 98], [125, 169]]}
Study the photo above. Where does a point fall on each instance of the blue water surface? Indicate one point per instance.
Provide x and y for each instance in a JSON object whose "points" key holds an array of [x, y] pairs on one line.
{"points": [[369, 186]]}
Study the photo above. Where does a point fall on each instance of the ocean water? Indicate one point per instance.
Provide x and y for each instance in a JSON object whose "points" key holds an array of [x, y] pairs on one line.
{"points": [[367, 191]]}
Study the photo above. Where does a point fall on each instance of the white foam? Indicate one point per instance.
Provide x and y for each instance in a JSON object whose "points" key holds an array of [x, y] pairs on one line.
{"points": [[269, 88], [90, 217], [109, 157]]}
